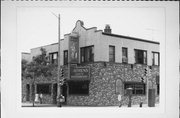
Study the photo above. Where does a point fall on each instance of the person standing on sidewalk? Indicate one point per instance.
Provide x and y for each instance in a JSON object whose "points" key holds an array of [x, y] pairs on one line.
{"points": [[120, 100], [40, 98]]}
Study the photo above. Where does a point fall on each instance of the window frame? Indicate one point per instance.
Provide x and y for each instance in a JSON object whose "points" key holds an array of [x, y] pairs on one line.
{"points": [[126, 56], [65, 59], [153, 58], [144, 53], [113, 54], [84, 51], [51, 55]]}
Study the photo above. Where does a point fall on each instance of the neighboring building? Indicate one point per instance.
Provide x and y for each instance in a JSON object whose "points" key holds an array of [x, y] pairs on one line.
{"points": [[116, 63], [26, 56]]}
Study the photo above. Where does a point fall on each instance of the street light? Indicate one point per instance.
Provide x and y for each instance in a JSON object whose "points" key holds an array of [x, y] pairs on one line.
{"points": [[59, 67]]}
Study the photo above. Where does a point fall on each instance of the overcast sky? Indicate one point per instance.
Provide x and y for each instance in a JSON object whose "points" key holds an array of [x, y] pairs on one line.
{"points": [[38, 26]]}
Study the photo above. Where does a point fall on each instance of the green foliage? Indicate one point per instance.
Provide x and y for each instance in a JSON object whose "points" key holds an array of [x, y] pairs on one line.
{"points": [[24, 67], [40, 66]]}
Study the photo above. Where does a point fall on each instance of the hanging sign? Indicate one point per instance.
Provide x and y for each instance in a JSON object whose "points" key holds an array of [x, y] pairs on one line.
{"points": [[73, 48]]}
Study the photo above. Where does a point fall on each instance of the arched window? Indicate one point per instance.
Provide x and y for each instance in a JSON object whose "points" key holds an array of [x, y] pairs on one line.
{"points": [[119, 87]]}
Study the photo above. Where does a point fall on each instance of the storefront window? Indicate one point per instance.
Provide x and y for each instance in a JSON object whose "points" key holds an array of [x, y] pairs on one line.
{"points": [[138, 87], [43, 88], [78, 87]]}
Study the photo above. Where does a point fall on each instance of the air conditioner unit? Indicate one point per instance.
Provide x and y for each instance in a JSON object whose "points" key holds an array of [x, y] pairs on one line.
{"points": [[125, 60]]}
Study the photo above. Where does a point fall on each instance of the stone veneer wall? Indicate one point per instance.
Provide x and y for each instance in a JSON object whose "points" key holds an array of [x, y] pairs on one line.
{"points": [[47, 98], [102, 87]]}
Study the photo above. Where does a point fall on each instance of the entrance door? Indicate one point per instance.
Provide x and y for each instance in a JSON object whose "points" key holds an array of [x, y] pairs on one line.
{"points": [[27, 92], [64, 91], [54, 93]]}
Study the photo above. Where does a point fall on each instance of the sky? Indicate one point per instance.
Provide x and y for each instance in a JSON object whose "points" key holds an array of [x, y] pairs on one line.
{"points": [[39, 26]]}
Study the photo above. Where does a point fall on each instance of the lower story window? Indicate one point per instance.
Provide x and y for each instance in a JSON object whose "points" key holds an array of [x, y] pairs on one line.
{"points": [[43, 88], [138, 88], [78, 87]]}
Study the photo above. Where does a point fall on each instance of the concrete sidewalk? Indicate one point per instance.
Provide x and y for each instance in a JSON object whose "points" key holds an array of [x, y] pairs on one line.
{"points": [[38, 105], [54, 105]]}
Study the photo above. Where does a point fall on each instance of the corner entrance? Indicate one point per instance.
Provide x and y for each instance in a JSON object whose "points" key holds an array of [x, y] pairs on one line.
{"points": [[64, 92], [27, 92]]}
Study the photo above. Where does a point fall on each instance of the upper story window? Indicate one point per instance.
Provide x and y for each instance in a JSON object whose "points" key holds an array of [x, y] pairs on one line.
{"points": [[140, 56], [111, 53], [155, 59], [87, 54], [53, 57], [65, 57], [124, 55]]}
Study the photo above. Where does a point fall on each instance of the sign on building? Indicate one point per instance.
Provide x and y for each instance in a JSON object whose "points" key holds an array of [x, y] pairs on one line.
{"points": [[73, 48], [80, 73]]}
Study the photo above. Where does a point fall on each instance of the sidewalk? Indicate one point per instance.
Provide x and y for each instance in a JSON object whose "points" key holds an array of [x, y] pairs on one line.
{"points": [[38, 105], [54, 105]]}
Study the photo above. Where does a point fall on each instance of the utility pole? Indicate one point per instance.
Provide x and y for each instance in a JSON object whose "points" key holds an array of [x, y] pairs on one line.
{"points": [[59, 66], [33, 75], [147, 84]]}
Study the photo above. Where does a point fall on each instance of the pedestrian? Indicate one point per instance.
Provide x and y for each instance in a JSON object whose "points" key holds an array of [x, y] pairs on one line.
{"points": [[120, 100], [40, 98], [36, 98]]}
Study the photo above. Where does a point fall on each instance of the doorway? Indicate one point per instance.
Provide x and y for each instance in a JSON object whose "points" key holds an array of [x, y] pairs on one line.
{"points": [[54, 93], [27, 92], [64, 92]]}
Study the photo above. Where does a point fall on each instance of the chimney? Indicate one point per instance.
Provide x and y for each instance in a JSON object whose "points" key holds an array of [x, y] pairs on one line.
{"points": [[107, 29]]}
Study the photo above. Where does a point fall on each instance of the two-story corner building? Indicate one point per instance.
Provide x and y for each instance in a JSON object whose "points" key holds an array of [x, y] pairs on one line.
{"points": [[105, 46], [116, 63]]}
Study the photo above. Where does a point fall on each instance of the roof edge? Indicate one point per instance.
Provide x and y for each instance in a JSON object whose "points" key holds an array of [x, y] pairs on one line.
{"points": [[44, 46], [131, 38]]}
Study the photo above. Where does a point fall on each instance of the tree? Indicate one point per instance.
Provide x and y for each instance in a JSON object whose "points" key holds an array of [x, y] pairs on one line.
{"points": [[24, 64], [40, 66]]}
